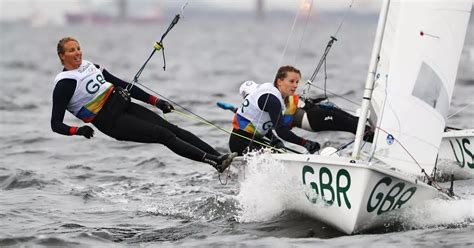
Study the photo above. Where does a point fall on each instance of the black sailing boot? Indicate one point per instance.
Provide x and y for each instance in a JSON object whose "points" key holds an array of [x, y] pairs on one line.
{"points": [[220, 163]]}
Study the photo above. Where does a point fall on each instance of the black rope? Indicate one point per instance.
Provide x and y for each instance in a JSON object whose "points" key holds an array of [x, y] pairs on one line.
{"points": [[323, 58], [325, 80], [326, 52], [329, 45], [160, 43], [135, 78], [266, 143], [333, 94], [344, 146], [172, 24], [164, 59], [158, 46]]}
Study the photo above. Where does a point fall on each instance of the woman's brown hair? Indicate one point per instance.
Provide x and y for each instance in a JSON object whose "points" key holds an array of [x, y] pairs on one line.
{"points": [[282, 71]]}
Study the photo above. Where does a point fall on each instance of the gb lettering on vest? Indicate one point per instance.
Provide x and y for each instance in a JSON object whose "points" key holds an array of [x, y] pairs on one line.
{"points": [[267, 125], [94, 82], [245, 104]]}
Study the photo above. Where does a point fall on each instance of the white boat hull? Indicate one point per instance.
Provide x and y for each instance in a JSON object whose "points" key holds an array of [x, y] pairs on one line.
{"points": [[351, 197], [456, 154]]}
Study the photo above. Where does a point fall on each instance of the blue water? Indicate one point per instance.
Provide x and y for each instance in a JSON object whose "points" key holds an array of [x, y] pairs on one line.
{"points": [[68, 191]]}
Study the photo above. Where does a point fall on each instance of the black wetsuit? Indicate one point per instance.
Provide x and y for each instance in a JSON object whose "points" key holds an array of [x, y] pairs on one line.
{"points": [[325, 117], [128, 121], [268, 103]]}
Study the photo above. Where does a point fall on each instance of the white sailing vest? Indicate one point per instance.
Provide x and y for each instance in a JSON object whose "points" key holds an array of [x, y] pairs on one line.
{"points": [[250, 110], [91, 90]]}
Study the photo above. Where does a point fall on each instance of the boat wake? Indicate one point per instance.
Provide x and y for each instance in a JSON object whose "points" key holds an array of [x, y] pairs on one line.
{"points": [[265, 192]]}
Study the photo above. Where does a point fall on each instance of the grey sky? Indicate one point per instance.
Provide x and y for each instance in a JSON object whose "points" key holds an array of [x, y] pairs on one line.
{"points": [[53, 10]]}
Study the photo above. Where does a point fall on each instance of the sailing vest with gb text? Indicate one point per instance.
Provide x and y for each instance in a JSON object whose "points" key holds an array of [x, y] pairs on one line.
{"points": [[91, 91], [250, 117]]}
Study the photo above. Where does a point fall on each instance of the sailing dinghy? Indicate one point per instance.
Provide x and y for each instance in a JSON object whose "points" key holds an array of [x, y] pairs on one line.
{"points": [[456, 154], [408, 90]]}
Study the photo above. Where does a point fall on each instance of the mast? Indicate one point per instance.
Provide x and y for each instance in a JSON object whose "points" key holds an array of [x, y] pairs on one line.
{"points": [[369, 83], [122, 10], [260, 10]]}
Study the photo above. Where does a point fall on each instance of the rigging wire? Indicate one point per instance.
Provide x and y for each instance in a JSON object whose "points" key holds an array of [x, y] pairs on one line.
{"points": [[331, 41], [323, 59], [325, 79], [156, 47], [202, 120], [344, 18], [459, 111], [431, 180], [289, 37], [337, 95], [287, 42], [196, 117], [278, 65], [310, 10]]}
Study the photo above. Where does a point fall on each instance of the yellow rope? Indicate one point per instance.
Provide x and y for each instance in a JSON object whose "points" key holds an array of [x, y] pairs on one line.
{"points": [[222, 129]]}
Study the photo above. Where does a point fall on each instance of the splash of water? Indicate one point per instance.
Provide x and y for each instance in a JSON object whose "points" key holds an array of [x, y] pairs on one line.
{"points": [[438, 212], [267, 189]]}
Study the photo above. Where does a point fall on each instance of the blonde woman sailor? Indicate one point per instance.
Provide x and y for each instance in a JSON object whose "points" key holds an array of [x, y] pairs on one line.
{"points": [[95, 96]]}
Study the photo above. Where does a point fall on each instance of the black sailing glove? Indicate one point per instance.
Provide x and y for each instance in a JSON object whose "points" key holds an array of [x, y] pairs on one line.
{"points": [[165, 106], [85, 131], [277, 143], [312, 146]]}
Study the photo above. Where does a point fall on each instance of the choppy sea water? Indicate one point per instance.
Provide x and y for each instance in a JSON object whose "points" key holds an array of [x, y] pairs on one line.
{"points": [[68, 191]]}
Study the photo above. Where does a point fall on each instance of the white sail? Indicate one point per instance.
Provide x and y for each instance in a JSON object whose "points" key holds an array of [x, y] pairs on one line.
{"points": [[419, 44], [415, 78]]}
